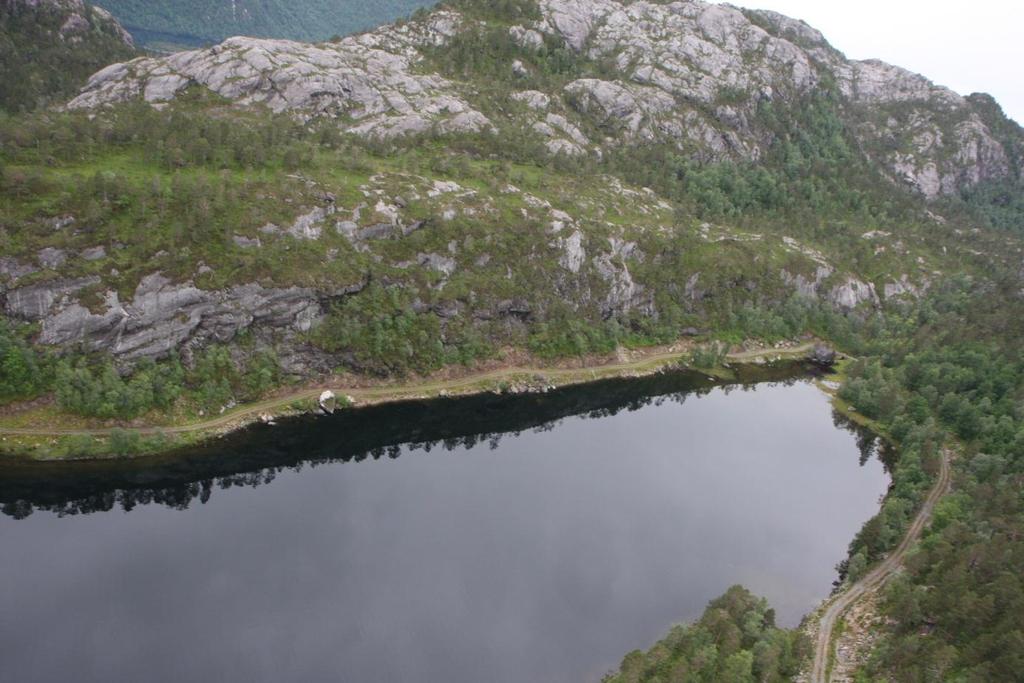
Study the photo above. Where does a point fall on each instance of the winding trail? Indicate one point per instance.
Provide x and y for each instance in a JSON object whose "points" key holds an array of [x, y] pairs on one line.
{"points": [[387, 393], [877, 576]]}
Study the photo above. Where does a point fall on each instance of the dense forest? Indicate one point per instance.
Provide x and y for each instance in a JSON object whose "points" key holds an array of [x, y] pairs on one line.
{"points": [[45, 56], [735, 641]]}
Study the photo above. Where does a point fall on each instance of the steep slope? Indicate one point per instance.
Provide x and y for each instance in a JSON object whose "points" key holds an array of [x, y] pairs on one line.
{"points": [[211, 21], [704, 78], [725, 114], [365, 81], [48, 48]]}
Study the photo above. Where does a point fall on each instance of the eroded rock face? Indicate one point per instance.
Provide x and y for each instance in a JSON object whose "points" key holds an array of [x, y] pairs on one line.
{"points": [[573, 252], [845, 292], [368, 78], [34, 302], [624, 294], [689, 73], [942, 154], [851, 293], [162, 316], [904, 288], [672, 54]]}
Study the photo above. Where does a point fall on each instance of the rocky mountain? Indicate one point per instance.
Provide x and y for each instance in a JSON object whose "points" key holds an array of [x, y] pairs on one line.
{"points": [[507, 167], [691, 74], [49, 47], [190, 22], [497, 178]]}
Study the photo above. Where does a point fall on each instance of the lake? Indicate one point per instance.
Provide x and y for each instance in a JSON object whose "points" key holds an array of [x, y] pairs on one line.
{"points": [[532, 538]]}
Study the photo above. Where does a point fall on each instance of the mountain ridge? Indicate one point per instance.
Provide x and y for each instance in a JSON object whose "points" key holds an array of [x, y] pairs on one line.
{"points": [[689, 91]]}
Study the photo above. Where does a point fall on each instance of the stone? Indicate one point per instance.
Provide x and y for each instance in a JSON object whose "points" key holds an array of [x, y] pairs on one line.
{"points": [[808, 287], [60, 222], [310, 226], [573, 253], [369, 80], [534, 99], [327, 401], [161, 316], [526, 38], [12, 270], [851, 293], [51, 258], [34, 302], [822, 355], [624, 294], [566, 137], [689, 73], [442, 264], [630, 106], [902, 288], [245, 242], [94, 253]]}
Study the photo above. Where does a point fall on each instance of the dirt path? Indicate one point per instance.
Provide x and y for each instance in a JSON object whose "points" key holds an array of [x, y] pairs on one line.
{"points": [[876, 577], [395, 393]]}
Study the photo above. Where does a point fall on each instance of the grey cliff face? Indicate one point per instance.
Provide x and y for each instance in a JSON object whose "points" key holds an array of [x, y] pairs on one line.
{"points": [[161, 316], [689, 73], [367, 79], [696, 52]]}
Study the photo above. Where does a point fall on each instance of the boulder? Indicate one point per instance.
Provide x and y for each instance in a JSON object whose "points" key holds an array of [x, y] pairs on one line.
{"points": [[327, 401], [822, 355]]}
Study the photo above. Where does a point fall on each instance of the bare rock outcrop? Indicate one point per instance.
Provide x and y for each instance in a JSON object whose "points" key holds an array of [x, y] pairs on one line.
{"points": [[679, 61], [369, 79], [690, 73], [162, 316]]}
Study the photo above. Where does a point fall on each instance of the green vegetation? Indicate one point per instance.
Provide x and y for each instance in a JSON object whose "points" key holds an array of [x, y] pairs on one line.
{"points": [[40, 65], [215, 380], [998, 205], [91, 386], [813, 171], [958, 610], [955, 371], [189, 189], [24, 372], [208, 21], [735, 641], [383, 335], [102, 392], [709, 356]]}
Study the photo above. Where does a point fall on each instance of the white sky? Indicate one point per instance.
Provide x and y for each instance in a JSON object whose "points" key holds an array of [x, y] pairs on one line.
{"points": [[974, 46]]}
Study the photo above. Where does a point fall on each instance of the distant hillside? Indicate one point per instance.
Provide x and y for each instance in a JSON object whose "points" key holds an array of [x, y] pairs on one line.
{"points": [[191, 22], [49, 47]]}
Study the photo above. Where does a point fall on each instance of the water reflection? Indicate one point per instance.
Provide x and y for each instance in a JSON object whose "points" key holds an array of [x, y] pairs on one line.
{"points": [[530, 538], [257, 455]]}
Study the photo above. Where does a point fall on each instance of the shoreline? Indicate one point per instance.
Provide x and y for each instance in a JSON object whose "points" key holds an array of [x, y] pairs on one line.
{"points": [[45, 443], [504, 379]]}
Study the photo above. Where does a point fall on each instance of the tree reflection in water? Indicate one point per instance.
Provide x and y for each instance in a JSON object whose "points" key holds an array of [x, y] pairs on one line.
{"points": [[254, 456]]}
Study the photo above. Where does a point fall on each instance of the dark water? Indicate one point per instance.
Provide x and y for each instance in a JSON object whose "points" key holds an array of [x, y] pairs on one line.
{"points": [[524, 539]]}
